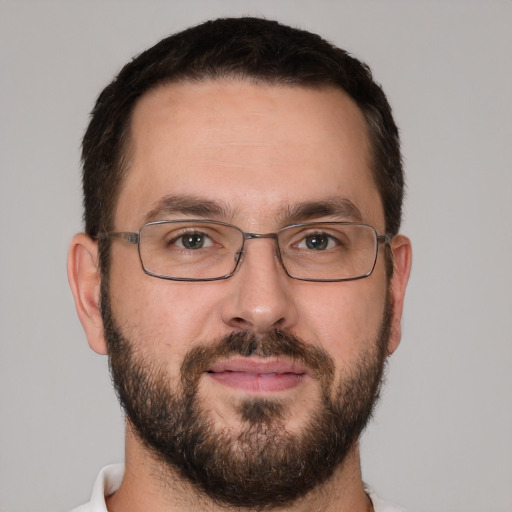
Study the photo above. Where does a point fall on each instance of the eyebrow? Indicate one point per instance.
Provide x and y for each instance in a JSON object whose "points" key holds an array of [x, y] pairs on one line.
{"points": [[340, 208], [186, 205]]}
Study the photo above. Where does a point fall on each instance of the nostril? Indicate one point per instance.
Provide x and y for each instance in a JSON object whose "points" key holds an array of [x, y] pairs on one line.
{"points": [[239, 322]]}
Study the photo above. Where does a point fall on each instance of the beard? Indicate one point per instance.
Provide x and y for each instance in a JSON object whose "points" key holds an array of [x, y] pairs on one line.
{"points": [[263, 465]]}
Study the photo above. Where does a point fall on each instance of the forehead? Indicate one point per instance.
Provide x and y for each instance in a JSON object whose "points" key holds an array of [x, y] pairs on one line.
{"points": [[254, 149]]}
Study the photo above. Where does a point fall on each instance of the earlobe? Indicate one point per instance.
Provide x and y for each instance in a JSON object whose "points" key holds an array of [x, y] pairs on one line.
{"points": [[402, 262], [85, 282]]}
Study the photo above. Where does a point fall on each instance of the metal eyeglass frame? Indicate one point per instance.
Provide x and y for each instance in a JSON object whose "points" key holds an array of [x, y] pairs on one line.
{"points": [[134, 238]]}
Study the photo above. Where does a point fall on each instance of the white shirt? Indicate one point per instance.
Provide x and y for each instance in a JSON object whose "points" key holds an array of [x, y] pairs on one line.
{"points": [[110, 477]]}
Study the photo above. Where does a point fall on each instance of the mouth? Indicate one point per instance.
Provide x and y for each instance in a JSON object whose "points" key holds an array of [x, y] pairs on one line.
{"points": [[257, 375]]}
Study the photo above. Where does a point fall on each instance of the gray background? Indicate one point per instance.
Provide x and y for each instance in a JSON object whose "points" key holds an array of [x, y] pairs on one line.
{"points": [[441, 439]]}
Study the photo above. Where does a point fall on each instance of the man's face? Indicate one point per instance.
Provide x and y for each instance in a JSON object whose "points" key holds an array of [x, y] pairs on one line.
{"points": [[261, 157]]}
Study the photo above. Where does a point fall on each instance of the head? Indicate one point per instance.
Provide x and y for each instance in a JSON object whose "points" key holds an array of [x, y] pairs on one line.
{"points": [[261, 126]]}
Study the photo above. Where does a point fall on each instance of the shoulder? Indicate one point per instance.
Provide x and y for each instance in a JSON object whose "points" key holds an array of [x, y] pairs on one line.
{"points": [[380, 505], [107, 482]]}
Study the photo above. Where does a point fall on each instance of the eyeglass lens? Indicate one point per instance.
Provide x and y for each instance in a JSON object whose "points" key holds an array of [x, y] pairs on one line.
{"points": [[209, 250]]}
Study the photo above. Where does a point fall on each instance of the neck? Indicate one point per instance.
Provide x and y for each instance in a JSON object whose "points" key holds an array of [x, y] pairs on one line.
{"points": [[149, 485]]}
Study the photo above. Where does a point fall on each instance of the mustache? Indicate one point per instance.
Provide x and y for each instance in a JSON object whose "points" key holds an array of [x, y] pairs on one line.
{"points": [[275, 343]]}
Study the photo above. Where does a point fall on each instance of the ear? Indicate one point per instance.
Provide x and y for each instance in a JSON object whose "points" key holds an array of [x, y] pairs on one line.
{"points": [[85, 280], [402, 261]]}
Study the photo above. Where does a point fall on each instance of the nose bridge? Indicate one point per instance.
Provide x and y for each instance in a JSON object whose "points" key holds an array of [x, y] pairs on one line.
{"points": [[260, 298], [249, 236], [262, 248], [275, 247]]}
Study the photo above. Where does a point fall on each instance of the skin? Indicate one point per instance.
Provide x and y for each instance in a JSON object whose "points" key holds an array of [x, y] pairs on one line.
{"points": [[255, 150]]}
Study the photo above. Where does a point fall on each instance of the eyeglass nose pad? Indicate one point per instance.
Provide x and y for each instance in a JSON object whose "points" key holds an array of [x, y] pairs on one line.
{"points": [[239, 256]]}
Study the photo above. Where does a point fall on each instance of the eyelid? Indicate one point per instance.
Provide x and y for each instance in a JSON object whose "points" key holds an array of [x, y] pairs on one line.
{"points": [[194, 227], [177, 240], [332, 240]]}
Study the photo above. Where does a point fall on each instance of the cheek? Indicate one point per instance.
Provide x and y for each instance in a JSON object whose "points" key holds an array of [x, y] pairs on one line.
{"points": [[344, 318], [162, 318]]}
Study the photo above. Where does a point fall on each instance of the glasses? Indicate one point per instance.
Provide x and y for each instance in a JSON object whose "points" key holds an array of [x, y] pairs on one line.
{"points": [[205, 250]]}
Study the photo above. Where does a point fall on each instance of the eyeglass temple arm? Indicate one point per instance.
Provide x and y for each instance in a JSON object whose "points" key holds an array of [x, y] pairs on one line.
{"points": [[384, 239], [132, 238]]}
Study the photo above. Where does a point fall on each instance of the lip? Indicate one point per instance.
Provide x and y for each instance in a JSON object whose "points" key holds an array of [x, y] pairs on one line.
{"points": [[258, 375]]}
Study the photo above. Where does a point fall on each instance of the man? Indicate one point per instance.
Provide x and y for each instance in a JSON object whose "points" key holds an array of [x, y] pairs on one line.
{"points": [[242, 268]]}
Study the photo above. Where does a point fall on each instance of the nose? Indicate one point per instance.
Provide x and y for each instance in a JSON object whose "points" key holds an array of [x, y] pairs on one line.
{"points": [[260, 296]]}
